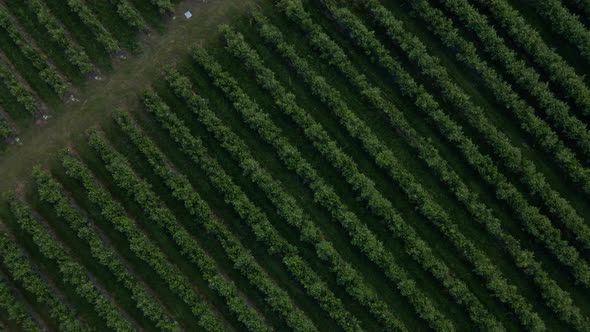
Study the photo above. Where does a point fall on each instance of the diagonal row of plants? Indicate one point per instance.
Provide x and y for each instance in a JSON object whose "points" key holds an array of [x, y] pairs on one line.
{"points": [[385, 159], [24, 273], [360, 183], [323, 42], [446, 124], [521, 32], [558, 205], [556, 296], [261, 226], [574, 312]]}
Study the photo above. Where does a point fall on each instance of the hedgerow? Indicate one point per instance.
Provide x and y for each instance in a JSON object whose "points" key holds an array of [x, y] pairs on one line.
{"points": [[139, 190], [182, 189], [21, 270], [15, 309], [385, 158], [102, 35], [140, 244], [5, 128], [72, 272], [327, 147], [360, 235], [74, 53], [565, 23], [39, 60], [251, 214], [559, 300], [53, 193], [513, 160], [534, 221], [528, 38], [129, 13], [286, 204], [17, 89]]}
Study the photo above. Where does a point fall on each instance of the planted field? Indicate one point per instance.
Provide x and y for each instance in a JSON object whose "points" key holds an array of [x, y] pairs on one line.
{"points": [[314, 166]]}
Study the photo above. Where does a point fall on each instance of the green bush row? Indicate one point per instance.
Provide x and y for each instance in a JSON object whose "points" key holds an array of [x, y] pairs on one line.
{"points": [[566, 24], [53, 193], [15, 309], [251, 214], [129, 14], [17, 90], [74, 53], [286, 205], [360, 234], [557, 204], [535, 223], [5, 128], [139, 243], [139, 190], [37, 58], [182, 189], [385, 159], [513, 159], [102, 35], [72, 272], [557, 299], [529, 39], [21, 271], [293, 213], [164, 6], [285, 101], [529, 80], [511, 155]]}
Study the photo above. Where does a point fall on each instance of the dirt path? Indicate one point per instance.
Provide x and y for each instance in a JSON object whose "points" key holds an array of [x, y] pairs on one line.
{"points": [[118, 89]]}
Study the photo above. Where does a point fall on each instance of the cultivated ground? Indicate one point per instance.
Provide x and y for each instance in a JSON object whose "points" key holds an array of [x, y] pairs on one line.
{"points": [[321, 165]]}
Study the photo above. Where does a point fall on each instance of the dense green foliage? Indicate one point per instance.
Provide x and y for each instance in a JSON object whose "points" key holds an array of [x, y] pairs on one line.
{"points": [[180, 186], [320, 165], [74, 54], [35, 56], [23, 272], [51, 191], [15, 309], [72, 272]]}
